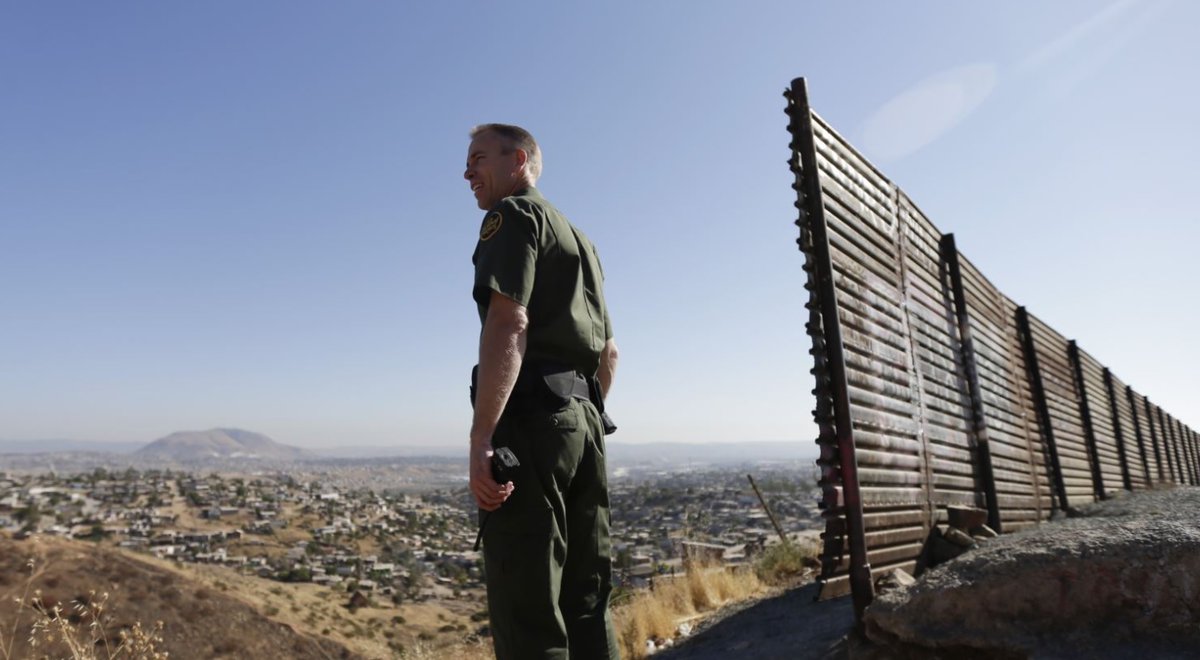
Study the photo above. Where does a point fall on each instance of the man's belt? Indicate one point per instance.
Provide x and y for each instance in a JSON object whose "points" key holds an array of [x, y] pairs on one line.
{"points": [[550, 386]]}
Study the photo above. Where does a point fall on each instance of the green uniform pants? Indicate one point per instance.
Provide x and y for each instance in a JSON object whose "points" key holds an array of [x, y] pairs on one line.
{"points": [[547, 553]]}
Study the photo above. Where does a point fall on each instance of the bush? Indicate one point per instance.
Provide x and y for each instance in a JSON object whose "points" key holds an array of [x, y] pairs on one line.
{"points": [[784, 562]]}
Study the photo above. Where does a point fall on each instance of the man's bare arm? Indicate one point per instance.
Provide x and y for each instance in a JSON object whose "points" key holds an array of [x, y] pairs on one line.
{"points": [[608, 367], [501, 351]]}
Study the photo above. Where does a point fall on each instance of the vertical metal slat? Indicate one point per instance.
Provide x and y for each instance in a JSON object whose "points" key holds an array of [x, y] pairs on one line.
{"points": [[1085, 413], [1159, 447], [814, 210], [1120, 435], [983, 454], [1039, 402], [1137, 431]]}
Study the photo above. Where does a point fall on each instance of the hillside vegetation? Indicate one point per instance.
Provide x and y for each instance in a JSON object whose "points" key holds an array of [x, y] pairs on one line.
{"points": [[198, 621]]}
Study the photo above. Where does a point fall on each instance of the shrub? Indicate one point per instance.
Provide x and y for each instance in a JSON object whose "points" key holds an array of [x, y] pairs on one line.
{"points": [[783, 562]]}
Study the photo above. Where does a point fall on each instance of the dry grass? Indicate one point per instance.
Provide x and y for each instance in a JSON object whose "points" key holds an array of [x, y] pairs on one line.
{"points": [[657, 613], [199, 620], [78, 632], [320, 612], [422, 650]]}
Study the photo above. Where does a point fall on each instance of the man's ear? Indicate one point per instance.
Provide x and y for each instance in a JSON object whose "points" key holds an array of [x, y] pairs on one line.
{"points": [[522, 157]]}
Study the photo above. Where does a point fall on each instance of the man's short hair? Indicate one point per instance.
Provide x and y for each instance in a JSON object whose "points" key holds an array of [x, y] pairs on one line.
{"points": [[515, 137]]}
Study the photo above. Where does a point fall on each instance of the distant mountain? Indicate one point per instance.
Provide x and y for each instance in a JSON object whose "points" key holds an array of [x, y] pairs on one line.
{"points": [[219, 443]]}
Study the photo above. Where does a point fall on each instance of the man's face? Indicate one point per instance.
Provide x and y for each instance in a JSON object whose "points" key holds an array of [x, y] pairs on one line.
{"points": [[493, 174]]}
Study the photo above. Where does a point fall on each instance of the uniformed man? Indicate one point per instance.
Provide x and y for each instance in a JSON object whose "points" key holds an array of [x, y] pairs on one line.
{"points": [[546, 360]]}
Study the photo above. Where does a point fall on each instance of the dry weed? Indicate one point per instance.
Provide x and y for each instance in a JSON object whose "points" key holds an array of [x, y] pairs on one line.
{"points": [[657, 613], [735, 585], [81, 631], [427, 650]]}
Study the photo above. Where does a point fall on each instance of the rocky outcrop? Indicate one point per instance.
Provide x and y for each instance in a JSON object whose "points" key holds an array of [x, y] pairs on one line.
{"points": [[1120, 580]]}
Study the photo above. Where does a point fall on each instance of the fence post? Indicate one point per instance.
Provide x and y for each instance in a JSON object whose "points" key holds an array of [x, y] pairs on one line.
{"points": [[1039, 403], [1186, 433], [1185, 461], [1172, 446], [1137, 431], [1195, 456], [1120, 435], [1159, 448], [1191, 435], [979, 421], [1186, 450], [1085, 413], [812, 206]]}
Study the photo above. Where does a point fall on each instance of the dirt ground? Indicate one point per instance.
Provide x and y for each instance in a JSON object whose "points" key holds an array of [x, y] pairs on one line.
{"points": [[791, 626]]}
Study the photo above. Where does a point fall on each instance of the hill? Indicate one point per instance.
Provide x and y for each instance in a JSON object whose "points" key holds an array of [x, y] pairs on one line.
{"points": [[198, 621], [218, 443]]}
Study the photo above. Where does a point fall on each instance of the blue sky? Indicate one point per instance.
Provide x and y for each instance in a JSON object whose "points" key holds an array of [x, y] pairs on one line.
{"points": [[252, 214]]}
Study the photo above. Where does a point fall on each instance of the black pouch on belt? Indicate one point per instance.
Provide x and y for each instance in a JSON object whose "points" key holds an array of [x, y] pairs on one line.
{"points": [[597, 398], [474, 383], [539, 386], [556, 385]]}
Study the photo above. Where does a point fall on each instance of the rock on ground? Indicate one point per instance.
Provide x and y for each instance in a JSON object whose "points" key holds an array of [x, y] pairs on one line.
{"points": [[1122, 580]]}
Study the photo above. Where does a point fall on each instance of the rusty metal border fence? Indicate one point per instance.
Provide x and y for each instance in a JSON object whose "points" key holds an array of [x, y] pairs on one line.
{"points": [[934, 389]]}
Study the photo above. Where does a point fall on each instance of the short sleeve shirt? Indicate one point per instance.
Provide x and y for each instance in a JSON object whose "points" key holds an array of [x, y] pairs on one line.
{"points": [[529, 252]]}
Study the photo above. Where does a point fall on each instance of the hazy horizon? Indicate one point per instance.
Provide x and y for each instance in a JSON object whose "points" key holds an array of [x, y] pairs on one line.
{"points": [[332, 444]]}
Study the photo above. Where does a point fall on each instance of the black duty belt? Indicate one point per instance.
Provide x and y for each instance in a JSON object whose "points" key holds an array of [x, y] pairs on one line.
{"points": [[544, 386]]}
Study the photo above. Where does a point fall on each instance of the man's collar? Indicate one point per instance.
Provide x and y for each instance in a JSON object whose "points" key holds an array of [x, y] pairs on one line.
{"points": [[528, 191]]}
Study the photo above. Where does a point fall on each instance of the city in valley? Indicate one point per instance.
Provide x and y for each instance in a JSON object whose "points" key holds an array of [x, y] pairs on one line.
{"points": [[392, 536]]}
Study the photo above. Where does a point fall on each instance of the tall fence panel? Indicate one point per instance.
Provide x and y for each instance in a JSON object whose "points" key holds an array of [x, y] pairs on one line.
{"points": [[1114, 463], [1145, 412], [1018, 456], [933, 332], [934, 389], [1141, 467], [860, 216], [1062, 401]]}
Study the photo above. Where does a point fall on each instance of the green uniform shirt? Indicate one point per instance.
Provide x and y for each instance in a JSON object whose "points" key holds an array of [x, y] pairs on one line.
{"points": [[530, 253]]}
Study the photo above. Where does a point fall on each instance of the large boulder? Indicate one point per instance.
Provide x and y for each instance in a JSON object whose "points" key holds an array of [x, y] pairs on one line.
{"points": [[1121, 580]]}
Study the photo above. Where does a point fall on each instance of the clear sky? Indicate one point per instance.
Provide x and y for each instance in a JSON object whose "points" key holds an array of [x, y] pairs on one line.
{"points": [[253, 214]]}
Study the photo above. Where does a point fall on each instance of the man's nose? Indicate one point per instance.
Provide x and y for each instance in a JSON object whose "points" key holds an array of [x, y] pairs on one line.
{"points": [[467, 174]]}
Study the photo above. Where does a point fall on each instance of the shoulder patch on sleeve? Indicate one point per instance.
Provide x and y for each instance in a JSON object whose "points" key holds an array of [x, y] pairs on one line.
{"points": [[491, 225]]}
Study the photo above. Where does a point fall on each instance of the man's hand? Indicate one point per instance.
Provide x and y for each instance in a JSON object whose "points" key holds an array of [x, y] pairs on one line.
{"points": [[488, 494]]}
